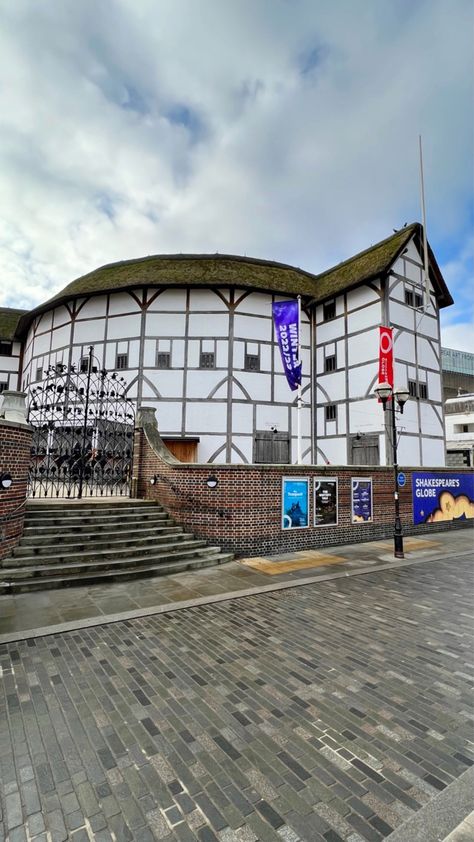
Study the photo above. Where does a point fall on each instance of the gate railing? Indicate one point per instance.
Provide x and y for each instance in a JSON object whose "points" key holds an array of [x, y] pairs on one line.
{"points": [[83, 427]]}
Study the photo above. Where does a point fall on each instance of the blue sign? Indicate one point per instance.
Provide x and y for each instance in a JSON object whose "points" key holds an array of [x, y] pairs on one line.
{"points": [[295, 500], [361, 500], [402, 480], [286, 318], [442, 497]]}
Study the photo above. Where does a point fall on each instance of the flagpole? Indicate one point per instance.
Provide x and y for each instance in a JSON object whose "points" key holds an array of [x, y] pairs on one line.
{"points": [[425, 240], [298, 411]]}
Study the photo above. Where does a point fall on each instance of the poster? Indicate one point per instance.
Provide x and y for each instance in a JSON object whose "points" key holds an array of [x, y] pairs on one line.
{"points": [[442, 497], [361, 500], [325, 501], [295, 503]]}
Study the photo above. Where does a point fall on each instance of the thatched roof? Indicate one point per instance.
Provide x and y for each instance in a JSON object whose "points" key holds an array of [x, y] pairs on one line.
{"points": [[221, 270], [9, 318]]}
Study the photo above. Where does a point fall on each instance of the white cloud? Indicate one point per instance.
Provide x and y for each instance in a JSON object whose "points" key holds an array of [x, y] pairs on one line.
{"points": [[275, 129]]}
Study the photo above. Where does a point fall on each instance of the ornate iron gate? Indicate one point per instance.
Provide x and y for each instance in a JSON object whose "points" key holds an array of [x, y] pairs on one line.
{"points": [[83, 432]]}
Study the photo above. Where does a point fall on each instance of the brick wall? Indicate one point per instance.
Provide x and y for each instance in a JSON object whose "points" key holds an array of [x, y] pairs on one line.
{"points": [[243, 513], [15, 446]]}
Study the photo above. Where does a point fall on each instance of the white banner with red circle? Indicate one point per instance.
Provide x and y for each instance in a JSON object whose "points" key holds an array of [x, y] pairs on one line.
{"points": [[386, 355]]}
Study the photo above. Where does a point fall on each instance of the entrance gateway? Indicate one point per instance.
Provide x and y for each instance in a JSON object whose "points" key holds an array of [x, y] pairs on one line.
{"points": [[83, 426]]}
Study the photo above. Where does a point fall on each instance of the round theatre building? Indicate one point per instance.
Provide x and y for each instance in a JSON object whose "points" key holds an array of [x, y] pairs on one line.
{"points": [[193, 336]]}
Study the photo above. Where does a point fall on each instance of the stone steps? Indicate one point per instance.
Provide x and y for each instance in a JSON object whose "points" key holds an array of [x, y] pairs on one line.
{"points": [[79, 543]]}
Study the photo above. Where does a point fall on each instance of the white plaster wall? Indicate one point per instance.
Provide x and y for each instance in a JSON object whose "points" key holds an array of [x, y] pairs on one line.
{"points": [[202, 382], [408, 451], [363, 296], [122, 302], [305, 421], [168, 415], [426, 354], [433, 453], [334, 451], [271, 416], [242, 418], [434, 386], [365, 416], [216, 324], [92, 307], [168, 383], [328, 331], [168, 300], [402, 315], [404, 347], [124, 327], [245, 446], [206, 300], [363, 347], [370, 315], [215, 415], [208, 446], [61, 316], [253, 327], [429, 420], [361, 379], [89, 331], [428, 326], [334, 384]]}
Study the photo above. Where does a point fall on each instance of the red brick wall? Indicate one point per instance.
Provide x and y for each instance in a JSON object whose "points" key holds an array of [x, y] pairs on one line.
{"points": [[243, 513], [15, 446]]}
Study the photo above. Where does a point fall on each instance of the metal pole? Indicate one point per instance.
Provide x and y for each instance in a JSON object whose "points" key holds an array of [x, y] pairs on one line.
{"points": [[84, 429], [426, 290], [397, 533]]}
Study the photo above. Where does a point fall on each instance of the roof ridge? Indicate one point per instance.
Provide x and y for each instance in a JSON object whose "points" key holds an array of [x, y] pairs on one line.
{"points": [[412, 227]]}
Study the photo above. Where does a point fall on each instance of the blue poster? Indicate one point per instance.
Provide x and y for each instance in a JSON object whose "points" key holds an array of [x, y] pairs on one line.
{"points": [[442, 497], [361, 497], [295, 498], [286, 319]]}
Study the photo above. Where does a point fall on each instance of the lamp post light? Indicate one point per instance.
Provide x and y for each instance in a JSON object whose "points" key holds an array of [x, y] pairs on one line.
{"points": [[387, 394]]}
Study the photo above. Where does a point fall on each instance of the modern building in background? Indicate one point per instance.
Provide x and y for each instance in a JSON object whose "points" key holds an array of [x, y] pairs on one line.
{"points": [[193, 336], [458, 372]]}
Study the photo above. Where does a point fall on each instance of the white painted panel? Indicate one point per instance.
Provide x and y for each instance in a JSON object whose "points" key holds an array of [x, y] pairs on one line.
{"points": [[327, 331], [110, 355], [124, 327], [283, 393], [265, 357], [132, 391], [9, 363], [248, 327], [409, 420], [211, 416], [165, 324], [149, 387], [193, 353], [272, 416], [306, 360], [341, 353], [362, 296], [95, 306], [401, 315], [397, 289], [61, 336], [341, 420], [208, 446], [257, 384], [239, 354], [413, 273], [429, 420], [334, 385], [361, 380], [122, 302], [426, 355], [256, 303], [61, 316], [169, 383], [149, 353], [412, 252], [222, 356], [320, 360], [333, 451], [365, 318], [245, 446], [170, 299], [365, 416], [404, 346], [408, 451], [202, 382], [216, 324], [134, 354], [428, 326], [242, 418], [168, 415], [305, 445], [177, 359], [363, 347], [305, 421], [433, 453], [89, 331], [206, 300], [434, 386], [45, 322]]}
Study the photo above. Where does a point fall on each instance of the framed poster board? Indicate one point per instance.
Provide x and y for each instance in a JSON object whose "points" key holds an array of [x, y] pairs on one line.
{"points": [[361, 500], [442, 496], [294, 502], [325, 501]]}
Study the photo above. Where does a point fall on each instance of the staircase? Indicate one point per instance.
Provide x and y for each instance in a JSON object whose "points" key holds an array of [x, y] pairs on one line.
{"points": [[83, 543]]}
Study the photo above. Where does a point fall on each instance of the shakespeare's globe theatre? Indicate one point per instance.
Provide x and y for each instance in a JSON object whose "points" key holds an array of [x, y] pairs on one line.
{"points": [[193, 337]]}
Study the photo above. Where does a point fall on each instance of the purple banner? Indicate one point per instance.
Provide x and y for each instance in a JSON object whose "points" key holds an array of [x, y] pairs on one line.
{"points": [[285, 316]]}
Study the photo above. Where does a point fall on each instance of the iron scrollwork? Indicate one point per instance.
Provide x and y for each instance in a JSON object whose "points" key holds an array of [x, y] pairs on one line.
{"points": [[83, 427]]}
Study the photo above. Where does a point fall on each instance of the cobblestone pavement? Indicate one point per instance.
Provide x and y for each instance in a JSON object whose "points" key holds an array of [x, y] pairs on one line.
{"points": [[332, 711]]}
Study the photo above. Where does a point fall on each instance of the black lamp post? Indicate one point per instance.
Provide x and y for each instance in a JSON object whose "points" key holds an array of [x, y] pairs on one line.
{"points": [[387, 394]]}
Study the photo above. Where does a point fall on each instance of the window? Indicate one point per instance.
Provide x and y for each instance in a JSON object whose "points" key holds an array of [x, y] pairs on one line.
{"points": [[330, 363], [329, 310], [330, 412], [6, 349], [409, 297], [413, 299], [3, 386], [39, 373], [122, 361], [207, 359], [271, 447], [84, 365], [252, 362], [423, 391], [163, 359], [418, 299], [412, 389]]}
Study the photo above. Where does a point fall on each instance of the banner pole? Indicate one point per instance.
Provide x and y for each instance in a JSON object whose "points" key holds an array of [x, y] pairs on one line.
{"points": [[298, 410]]}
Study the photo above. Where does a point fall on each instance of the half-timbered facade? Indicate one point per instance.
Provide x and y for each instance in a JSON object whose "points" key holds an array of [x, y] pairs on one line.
{"points": [[193, 336]]}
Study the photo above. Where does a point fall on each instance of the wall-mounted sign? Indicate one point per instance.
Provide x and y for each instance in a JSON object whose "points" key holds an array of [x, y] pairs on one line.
{"points": [[295, 503], [361, 500], [441, 497], [402, 480], [325, 501]]}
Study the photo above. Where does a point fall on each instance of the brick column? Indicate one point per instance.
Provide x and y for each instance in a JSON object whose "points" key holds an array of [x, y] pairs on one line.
{"points": [[15, 451]]}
